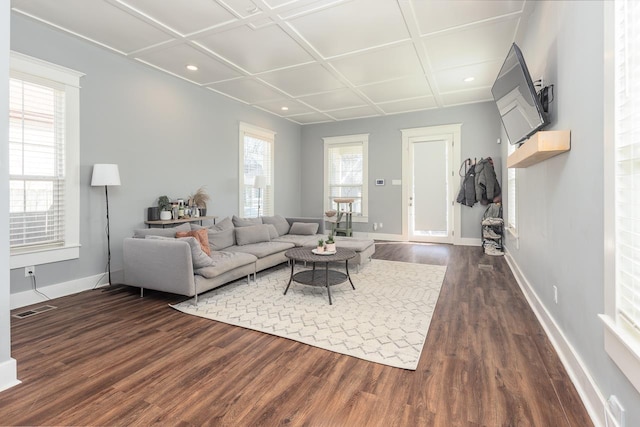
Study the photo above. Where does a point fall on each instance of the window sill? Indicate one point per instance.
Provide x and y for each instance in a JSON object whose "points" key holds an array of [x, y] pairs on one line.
{"points": [[621, 348], [513, 232], [44, 256]]}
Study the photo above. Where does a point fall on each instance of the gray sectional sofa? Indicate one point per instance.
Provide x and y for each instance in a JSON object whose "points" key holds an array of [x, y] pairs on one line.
{"points": [[155, 259]]}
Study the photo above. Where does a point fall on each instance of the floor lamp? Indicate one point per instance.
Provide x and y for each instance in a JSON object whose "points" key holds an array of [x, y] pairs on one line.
{"points": [[106, 174], [260, 183]]}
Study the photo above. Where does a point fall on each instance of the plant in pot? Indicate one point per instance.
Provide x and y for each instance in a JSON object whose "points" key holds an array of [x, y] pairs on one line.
{"points": [[165, 208], [199, 200], [320, 247], [330, 244]]}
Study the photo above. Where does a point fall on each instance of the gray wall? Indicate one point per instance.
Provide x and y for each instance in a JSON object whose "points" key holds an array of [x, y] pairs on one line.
{"points": [[561, 200], [6, 369], [167, 136], [480, 131]]}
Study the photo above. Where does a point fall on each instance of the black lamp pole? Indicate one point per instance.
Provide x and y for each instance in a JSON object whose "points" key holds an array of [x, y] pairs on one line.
{"points": [[106, 193]]}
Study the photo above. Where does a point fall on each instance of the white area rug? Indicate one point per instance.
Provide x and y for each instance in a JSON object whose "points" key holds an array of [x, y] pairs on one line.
{"points": [[385, 320]]}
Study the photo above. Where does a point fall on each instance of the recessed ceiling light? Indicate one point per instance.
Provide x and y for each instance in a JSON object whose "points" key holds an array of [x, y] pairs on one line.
{"points": [[192, 67], [469, 79], [284, 108]]}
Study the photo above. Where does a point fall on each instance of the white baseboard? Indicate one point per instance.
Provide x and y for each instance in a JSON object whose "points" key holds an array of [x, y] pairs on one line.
{"points": [[29, 297], [590, 394], [8, 374], [378, 236]]}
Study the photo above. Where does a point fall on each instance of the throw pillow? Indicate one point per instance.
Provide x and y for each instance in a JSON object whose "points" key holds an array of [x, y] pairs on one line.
{"points": [[199, 259], [252, 234], [200, 235], [141, 233], [246, 222], [223, 224], [273, 233], [280, 222], [219, 240], [304, 228]]}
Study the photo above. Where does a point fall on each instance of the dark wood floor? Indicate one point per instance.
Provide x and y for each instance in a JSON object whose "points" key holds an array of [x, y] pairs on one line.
{"points": [[112, 358]]}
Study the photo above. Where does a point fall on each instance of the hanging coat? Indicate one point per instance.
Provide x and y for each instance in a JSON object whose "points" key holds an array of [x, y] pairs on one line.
{"points": [[467, 194], [487, 186]]}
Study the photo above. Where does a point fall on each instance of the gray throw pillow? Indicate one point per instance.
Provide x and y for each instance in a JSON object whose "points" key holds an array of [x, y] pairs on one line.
{"points": [[273, 233], [223, 224], [252, 234], [246, 222], [219, 240], [141, 233], [198, 258], [304, 228], [280, 222]]}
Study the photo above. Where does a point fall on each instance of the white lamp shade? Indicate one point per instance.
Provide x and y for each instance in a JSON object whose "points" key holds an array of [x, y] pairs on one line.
{"points": [[260, 182], [105, 174]]}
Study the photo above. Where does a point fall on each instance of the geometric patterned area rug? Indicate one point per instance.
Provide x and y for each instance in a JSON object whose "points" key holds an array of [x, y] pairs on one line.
{"points": [[385, 320]]}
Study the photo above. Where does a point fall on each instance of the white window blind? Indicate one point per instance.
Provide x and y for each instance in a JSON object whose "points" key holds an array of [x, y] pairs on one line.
{"points": [[36, 163], [345, 174], [257, 150], [511, 194], [627, 164]]}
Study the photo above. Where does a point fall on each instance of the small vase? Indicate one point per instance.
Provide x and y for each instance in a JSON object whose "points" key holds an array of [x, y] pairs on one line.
{"points": [[320, 249], [331, 247], [165, 215]]}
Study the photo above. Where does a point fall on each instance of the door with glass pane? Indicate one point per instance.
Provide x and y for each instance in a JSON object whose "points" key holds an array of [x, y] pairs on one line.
{"points": [[429, 210]]}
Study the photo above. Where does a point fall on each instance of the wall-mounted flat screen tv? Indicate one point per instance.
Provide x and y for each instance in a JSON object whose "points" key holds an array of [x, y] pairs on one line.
{"points": [[518, 103]]}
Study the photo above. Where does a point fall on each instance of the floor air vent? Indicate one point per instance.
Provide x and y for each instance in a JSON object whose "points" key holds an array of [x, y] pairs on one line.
{"points": [[488, 267], [34, 311]]}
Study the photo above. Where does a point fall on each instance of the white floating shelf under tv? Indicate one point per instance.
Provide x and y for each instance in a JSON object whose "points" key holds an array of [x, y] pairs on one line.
{"points": [[541, 146]]}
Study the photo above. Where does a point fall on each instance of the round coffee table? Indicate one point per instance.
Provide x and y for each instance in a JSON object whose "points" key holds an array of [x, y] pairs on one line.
{"points": [[326, 277]]}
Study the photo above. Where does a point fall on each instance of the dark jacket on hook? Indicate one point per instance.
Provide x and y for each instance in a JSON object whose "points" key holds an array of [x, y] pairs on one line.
{"points": [[467, 194], [487, 186]]}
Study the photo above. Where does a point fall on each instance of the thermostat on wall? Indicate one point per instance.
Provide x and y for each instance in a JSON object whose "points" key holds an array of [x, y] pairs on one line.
{"points": [[379, 181]]}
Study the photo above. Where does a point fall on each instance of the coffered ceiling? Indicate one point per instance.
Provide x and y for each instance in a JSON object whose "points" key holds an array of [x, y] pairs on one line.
{"points": [[309, 61]]}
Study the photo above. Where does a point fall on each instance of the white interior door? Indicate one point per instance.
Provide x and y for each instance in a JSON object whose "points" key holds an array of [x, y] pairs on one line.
{"points": [[428, 187]]}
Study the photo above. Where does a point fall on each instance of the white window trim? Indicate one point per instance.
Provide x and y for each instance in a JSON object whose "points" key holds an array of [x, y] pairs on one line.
{"points": [[23, 64], [268, 135], [349, 139], [618, 344]]}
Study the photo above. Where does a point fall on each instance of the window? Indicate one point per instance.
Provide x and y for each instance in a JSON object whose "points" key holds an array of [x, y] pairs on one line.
{"points": [[43, 162], [512, 209], [622, 187], [345, 172], [256, 171]]}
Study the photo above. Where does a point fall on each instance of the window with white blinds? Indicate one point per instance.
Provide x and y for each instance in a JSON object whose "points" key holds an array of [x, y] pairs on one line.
{"points": [[36, 163], [346, 172], [512, 194], [627, 164], [256, 171], [44, 133]]}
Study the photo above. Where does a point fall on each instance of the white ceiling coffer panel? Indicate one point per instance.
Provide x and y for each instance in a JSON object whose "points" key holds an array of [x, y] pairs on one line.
{"points": [[324, 60], [467, 96], [303, 80], [393, 90], [259, 50], [484, 75], [342, 98], [488, 42], [424, 103], [305, 119], [293, 108], [247, 90], [441, 15], [176, 58], [200, 15], [97, 21], [352, 26], [353, 113], [379, 65]]}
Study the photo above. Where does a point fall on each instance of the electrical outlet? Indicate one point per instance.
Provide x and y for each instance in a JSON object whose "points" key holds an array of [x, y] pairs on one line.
{"points": [[614, 412], [375, 226], [380, 225], [555, 294], [28, 271]]}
